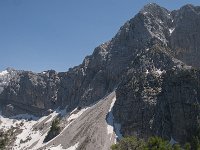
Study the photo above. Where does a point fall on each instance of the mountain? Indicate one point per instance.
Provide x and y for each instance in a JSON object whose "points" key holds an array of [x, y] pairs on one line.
{"points": [[143, 82]]}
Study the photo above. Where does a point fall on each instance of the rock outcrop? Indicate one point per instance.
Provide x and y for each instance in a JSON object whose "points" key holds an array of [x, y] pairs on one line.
{"points": [[159, 97], [184, 40], [30, 92], [153, 103], [177, 110]]}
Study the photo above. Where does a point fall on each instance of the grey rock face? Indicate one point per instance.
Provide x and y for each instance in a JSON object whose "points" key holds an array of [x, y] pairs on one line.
{"points": [[141, 62], [185, 39], [142, 106], [137, 93], [178, 105], [5, 77], [30, 92]]}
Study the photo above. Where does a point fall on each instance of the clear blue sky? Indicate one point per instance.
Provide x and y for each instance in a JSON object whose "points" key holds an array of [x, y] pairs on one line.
{"points": [[57, 34]]}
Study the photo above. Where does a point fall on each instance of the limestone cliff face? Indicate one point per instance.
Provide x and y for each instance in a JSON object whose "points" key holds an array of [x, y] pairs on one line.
{"points": [[184, 40], [177, 110], [152, 99], [137, 94], [147, 62], [30, 92]]}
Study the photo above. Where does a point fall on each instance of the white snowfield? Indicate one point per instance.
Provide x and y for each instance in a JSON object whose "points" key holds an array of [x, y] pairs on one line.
{"points": [[158, 72], [113, 128], [74, 116], [59, 147], [3, 73], [110, 128], [90, 128]]}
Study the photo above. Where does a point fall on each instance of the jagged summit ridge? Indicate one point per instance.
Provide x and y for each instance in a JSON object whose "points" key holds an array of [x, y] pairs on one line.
{"points": [[152, 21], [154, 9]]}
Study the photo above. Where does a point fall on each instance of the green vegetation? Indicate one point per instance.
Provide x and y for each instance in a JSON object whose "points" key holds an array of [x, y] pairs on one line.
{"points": [[154, 143], [195, 143], [3, 142], [54, 130], [193, 139], [187, 146], [5, 138], [55, 125], [129, 143], [157, 143]]}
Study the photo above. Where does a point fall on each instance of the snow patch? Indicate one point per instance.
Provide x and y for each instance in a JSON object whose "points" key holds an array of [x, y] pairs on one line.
{"points": [[112, 104], [42, 136], [117, 130], [26, 124], [76, 115], [147, 72], [73, 115], [53, 115], [172, 141], [171, 30], [159, 72], [63, 112], [73, 147], [6, 123], [40, 140], [25, 117], [113, 128], [110, 118], [145, 13], [29, 133], [59, 147], [3, 73]]}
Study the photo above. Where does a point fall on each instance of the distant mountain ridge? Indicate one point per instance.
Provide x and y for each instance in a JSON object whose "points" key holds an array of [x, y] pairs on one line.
{"points": [[152, 64]]}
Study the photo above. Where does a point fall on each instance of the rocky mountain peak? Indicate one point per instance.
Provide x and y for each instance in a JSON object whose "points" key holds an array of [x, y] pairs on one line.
{"points": [[186, 11], [175, 29], [190, 7], [151, 23], [185, 34], [10, 69], [154, 9], [7, 71], [148, 65]]}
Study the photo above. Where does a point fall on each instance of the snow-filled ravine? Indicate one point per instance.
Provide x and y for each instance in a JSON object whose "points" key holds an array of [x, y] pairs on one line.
{"points": [[112, 127]]}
